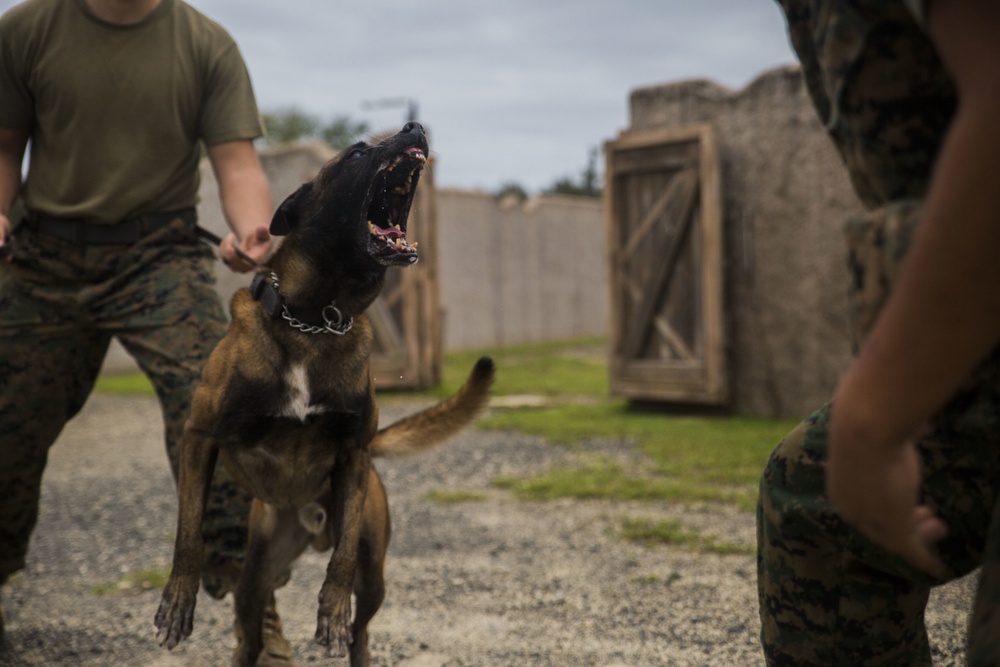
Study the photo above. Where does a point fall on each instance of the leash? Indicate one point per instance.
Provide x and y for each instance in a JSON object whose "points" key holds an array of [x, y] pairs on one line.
{"points": [[209, 236]]}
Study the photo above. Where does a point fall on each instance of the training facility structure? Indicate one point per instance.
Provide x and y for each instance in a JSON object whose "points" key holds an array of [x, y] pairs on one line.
{"points": [[716, 265], [727, 263]]}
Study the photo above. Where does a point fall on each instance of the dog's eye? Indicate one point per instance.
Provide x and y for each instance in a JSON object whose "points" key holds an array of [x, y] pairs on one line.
{"points": [[355, 154]]}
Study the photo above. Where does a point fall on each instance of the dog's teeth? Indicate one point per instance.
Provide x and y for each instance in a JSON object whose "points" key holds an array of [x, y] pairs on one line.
{"points": [[414, 244]]}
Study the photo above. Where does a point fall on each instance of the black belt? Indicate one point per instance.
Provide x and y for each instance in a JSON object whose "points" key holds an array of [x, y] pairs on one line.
{"points": [[125, 232]]}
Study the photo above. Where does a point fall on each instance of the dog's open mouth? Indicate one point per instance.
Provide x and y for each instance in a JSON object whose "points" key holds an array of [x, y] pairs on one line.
{"points": [[389, 208]]}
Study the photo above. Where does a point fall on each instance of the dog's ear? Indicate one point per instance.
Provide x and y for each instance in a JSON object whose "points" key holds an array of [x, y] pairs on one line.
{"points": [[290, 211]]}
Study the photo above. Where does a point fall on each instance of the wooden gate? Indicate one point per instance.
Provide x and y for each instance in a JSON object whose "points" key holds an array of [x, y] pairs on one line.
{"points": [[406, 317], [664, 223]]}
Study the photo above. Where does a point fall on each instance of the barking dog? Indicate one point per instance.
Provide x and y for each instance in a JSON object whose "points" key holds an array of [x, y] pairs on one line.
{"points": [[287, 402]]}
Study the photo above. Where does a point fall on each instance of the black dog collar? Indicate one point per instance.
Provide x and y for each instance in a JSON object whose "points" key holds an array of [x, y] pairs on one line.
{"points": [[267, 294], [331, 319]]}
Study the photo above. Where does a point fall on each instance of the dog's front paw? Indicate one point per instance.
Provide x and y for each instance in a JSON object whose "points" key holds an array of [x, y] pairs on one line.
{"points": [[175, 617], [333, 626]]}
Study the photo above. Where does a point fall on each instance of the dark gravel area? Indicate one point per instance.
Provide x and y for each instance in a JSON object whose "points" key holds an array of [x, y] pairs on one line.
{"points": [[484, 583]]}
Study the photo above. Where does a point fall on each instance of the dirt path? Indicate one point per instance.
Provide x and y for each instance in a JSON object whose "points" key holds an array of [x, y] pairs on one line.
{"points": [[490, 583]]}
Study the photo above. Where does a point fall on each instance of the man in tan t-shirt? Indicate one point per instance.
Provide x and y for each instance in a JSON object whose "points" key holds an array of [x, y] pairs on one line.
{"points": [[117, 98]]}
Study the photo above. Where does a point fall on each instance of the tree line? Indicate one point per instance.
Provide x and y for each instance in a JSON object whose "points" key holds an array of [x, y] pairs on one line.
{"points": [[293, 124]]}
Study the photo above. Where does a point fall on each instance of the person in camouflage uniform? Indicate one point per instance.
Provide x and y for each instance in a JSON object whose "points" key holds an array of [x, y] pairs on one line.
{"points": [[892, 488], [117, 100]]}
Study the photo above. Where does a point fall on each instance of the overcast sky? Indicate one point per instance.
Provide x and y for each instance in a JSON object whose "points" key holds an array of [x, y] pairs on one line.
{"points": [[518, 90]]}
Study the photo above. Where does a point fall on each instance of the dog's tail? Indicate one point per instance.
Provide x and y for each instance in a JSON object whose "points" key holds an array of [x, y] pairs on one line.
{"points": [[431, 427]]}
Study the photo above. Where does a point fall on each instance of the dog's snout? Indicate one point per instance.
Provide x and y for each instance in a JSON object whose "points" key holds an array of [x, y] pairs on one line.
{"points": [[413, 127]]}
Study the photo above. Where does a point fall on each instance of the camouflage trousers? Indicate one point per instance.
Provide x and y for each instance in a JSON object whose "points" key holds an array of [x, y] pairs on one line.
{"points": [[60, 305], [828, 596]]}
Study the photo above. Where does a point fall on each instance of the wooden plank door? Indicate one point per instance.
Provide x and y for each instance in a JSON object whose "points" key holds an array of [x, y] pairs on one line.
{"points": [[664, 223]]}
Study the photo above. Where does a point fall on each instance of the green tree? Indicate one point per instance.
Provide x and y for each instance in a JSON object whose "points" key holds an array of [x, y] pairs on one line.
{"points": [[293, 124], [289, 125], [511, 189], [588, 184], [342, 131]]}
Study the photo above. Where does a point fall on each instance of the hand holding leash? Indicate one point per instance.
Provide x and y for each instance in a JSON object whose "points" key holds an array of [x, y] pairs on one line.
{"points": [[260, 239]]}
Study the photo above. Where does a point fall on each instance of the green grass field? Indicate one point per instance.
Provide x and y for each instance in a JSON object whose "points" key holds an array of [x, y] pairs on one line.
{"points": [[691, 458]]}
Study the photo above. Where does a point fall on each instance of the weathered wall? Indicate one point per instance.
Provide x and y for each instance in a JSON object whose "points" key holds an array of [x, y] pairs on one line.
{"points": [[786, 198], [514, 273]]}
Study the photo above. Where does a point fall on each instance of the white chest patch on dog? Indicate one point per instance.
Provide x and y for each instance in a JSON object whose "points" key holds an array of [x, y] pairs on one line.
{"points": [[297, 405]]}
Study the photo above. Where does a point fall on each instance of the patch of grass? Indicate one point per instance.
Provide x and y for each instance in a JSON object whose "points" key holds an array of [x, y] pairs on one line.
{"points": [[693, 458], [671, 531], [136, 580], [722, 450], [716, 458], [599, 479], [442, 497], [129, 384], [574, 367]]}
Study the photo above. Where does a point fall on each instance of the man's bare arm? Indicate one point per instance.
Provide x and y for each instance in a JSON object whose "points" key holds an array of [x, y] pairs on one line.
{"points": [[246, 201], [12, 145]]}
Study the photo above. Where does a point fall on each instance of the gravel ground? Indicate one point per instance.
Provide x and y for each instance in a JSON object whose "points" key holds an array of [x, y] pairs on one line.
{"points": [[491, 583]]}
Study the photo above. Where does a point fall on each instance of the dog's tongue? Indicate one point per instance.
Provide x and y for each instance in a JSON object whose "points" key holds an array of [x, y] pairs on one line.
{"points": [[392, 233]]}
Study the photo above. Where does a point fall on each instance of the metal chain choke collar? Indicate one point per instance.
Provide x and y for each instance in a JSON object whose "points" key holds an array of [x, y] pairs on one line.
{"points": [[333, 318]]}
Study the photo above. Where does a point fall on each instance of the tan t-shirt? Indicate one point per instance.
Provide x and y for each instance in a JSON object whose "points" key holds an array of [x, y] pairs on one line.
{"points": [[116, 113]]}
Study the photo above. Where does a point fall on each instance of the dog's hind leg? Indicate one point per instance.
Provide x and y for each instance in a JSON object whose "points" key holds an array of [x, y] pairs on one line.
{"points": [[369, 581], [369, 590], [276, 539]]}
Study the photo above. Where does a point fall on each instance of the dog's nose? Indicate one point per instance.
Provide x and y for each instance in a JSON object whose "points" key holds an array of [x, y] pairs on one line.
{"points": [[414, 127]]}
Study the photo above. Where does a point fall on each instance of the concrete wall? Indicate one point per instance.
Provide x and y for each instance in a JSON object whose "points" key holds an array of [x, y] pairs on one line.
{"points": [[786, 199], [520, 272]]}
